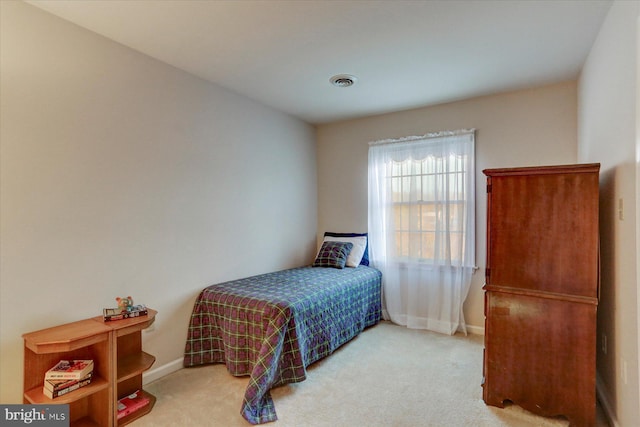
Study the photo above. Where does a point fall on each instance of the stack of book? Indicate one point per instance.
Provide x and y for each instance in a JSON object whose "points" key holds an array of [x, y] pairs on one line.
{"points": [[117, 314], [131, 403], [67, 376]]}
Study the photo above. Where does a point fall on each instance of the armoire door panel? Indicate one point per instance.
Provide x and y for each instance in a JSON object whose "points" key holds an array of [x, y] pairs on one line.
{"points": [[543, 233], [541, 355]]}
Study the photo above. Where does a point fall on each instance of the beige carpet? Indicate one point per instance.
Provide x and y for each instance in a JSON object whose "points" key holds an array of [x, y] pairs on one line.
{"points": [[387, 376]]}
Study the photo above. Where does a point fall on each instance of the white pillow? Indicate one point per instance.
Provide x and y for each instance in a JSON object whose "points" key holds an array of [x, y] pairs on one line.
{"points": [[359, 245]]}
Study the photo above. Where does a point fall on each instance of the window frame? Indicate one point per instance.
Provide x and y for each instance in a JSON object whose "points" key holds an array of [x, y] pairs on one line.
{"points": [[400, 172]]}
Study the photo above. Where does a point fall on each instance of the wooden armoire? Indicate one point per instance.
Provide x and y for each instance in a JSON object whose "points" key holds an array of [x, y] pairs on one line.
{"points": [[541, 290]]}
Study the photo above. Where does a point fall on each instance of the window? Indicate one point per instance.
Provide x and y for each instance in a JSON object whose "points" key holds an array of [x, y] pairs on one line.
{"points": [[422, 194], [427, 226]]}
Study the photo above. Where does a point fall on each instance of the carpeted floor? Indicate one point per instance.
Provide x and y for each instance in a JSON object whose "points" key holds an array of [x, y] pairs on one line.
{"points": [[387, 376]]}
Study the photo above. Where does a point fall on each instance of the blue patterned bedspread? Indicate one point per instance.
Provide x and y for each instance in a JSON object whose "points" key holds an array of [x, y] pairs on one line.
{"points": [[273, 326]]}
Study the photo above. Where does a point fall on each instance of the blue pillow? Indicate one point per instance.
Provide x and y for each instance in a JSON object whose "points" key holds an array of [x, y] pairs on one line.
{"points": [[365, 257], [333, 254]]}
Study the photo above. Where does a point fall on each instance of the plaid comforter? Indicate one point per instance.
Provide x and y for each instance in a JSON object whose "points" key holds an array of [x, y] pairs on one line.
{"points": [[273, 326]]}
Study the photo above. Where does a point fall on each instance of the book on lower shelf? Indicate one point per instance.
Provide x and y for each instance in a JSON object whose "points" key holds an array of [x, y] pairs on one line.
{"points": [[57, 388], [70, 370], [131, 403]]}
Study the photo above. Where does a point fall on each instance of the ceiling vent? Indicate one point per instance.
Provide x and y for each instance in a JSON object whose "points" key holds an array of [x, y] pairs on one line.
{"points": [[343, 80]]}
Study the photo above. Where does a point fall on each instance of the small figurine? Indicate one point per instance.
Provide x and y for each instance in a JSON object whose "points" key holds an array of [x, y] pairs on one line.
{"points": [[125, 304]]}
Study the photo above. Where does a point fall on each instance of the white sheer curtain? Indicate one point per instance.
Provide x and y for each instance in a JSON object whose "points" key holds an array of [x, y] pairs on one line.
{"points": [[422, 227]]}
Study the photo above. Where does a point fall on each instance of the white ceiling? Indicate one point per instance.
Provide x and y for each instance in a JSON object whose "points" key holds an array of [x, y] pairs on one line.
{"points": [[406, 54]]}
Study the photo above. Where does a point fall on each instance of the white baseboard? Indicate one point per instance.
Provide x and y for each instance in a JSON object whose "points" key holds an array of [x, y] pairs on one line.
{"points": [[161, 371], [601, 391], [475, 330]]}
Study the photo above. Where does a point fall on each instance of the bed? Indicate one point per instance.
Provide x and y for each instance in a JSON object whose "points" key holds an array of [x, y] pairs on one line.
{"points": [[273, 326]]}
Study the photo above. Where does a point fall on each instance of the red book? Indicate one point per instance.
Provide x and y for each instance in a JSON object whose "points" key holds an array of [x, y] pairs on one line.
{"points": [[131, 403]]}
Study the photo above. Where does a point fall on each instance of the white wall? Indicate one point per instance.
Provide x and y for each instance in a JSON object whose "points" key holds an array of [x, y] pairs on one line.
{"points": [[608, 133], [523, 128], [121, 175]]}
